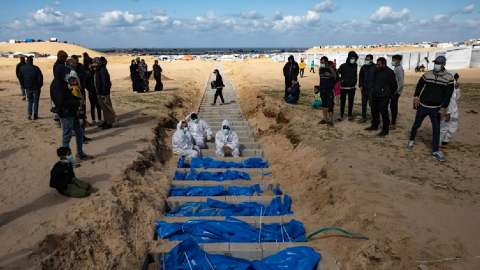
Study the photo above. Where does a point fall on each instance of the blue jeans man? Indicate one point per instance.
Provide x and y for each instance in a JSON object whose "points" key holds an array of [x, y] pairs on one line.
{"points": [[433, 114], [70, 124], [33, 100], [23, 92]]}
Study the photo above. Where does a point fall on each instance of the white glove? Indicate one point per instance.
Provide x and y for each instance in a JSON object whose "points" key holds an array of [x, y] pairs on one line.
{"points": [[209, 137]]}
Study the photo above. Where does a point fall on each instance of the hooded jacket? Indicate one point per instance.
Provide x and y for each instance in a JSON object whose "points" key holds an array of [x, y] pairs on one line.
{"points": [[87, 60], [435, 89], [294, 91], [61, 95], [219, 80], [291, 69], [385, 84], [348, 71], [102, 81], [367, 76], [61, 175], [31, 78], [197, 130], [17, 70], [181, 140], [230, 139], [328, 78]]}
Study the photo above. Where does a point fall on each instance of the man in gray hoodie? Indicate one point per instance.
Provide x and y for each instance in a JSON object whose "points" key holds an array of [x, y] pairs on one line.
{"points": [[400, 76]]}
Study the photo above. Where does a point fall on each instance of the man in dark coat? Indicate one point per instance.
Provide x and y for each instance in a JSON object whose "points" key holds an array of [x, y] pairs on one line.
{"points": [[157, 74], [366, 80], [31, 79], [348, 76], [87, 61], [290, 71], [17, 71], [103, 85]]}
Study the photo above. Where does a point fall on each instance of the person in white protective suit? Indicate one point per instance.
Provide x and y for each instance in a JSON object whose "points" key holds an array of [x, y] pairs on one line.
{"points": [[197, 128], [449, 123], [226, 141], [182, 142]]}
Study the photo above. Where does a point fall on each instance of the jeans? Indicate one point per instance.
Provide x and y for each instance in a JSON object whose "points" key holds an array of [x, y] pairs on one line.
{"points": [[343, 100], [23, 91], [291, 100], [394, 108], [380, 107], [423, 112], [69, 125], [33, 99], [365, 100], [302, 71]]}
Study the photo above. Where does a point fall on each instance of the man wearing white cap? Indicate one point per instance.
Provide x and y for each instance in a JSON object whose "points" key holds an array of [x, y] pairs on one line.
{"points": [[226, 141]]}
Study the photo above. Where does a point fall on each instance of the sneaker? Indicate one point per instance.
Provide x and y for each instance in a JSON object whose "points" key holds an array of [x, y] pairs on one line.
{"points": [[410, 145], [370, 128], [439, 156], [363, 120], [29, 117], [84, 156], [382, 134], [94, 122], [36, 118], [24, 98], [102, 124]]}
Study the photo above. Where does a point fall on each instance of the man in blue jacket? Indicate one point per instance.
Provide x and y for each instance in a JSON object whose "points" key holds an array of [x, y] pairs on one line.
{"points": [[31, 79]]}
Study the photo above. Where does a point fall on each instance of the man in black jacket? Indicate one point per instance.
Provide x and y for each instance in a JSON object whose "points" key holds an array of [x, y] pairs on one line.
{"points": [[366, 80], [31, 79], [67, 105], [17, 71], [293, 92], [348, 77], [384, 88], [290, 71], [87, 61], [63, 179], [432, 96], [103, 85]]}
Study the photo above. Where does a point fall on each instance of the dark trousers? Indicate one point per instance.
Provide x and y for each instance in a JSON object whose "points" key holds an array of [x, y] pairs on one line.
{"points": [[365, 100], [423, 112], [312, 70], [343, 99], [380, 107], [159, 85], [94, 105], [394, 108], [302, 71], [288, 84], [218, 93]]}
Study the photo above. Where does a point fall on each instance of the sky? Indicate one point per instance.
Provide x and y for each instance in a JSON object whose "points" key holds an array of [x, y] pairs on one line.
{"points": [[239, 23]]}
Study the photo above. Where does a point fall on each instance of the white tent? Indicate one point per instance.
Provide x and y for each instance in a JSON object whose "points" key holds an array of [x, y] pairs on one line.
{"points": [[475, 59]]}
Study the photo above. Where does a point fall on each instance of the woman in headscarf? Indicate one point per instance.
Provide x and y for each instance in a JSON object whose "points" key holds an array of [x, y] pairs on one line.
{"points": [[219, 84], [136, 79], [143, 69]]}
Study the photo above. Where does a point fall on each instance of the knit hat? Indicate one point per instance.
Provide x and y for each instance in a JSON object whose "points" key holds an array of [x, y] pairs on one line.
{"points": [[96, 62]]}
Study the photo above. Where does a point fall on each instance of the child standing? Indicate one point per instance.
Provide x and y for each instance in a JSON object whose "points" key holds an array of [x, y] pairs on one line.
{"points": [[449, 123], [337, 88], [73, 81], [312, 67], [317, 104]]}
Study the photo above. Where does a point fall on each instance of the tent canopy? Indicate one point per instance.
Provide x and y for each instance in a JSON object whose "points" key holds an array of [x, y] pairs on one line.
{"points": [[188, 57]]}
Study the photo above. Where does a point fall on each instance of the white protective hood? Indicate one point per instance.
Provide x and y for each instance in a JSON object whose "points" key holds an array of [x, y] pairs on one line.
{"points": [[230, 139]]}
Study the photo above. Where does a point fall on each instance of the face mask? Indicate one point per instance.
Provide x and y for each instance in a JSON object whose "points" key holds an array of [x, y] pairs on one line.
{"points": [[69, 159], [322, 65], [352, 61], [438, 67], [226, 131], [367, 62], [196, 121], [394, 64], [185, 129], [67, 77]]}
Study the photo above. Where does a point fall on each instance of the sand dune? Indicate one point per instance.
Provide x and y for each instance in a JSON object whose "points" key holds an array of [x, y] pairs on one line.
{"points": [[46, 48]]}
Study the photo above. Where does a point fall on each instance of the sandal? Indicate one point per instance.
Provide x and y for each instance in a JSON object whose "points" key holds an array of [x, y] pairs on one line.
{"points": [[392, 127], [322, 122], [339, 119], [330, 123]]}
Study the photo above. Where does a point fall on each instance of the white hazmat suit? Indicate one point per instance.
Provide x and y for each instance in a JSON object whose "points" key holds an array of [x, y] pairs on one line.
{"points": [[197, 131], [447, 129], [230, 139], [182, 143]]}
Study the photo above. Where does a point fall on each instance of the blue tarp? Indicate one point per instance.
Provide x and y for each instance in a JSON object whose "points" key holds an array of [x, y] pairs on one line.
{"points": [[230, 230], [210, 163], [218, 208], [211, 176], [216, 191], [188, 255]]}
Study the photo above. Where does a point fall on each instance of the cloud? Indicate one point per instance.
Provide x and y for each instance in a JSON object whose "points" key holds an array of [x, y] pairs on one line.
{"points": [[252, 15], [278, 15], [295, 22], [326, 6], [56, 4], [386, 15], [468, 9], [159, 12], [120, 18]]}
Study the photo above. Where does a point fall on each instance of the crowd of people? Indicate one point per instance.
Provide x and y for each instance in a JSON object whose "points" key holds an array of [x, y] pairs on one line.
{"points": [[381, 87], [140, 76]]}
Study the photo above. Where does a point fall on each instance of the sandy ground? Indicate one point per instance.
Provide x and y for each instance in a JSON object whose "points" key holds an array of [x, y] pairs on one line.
{"points": [[40, 229], [412, 207]]}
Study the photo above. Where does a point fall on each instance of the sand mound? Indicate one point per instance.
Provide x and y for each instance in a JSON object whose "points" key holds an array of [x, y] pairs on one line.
{"points": [[47, 48]]}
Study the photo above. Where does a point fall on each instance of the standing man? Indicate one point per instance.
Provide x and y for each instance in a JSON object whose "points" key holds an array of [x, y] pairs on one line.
{"points": [[157, 74], [17, 71], [290, 71], [384, 88], [328, 79], [400, 75], [302, 67], [432, 96], [366, 80], [31, 80], [348, 77], [87, 61], [103, 85]]}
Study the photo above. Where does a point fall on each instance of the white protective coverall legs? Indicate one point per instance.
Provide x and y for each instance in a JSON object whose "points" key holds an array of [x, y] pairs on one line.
{"points": [[447, 129], [229, 139], [182, 143]]}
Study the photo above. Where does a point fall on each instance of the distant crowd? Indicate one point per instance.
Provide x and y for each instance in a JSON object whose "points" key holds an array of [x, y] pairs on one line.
{"points": [[436, 94], [140, 75]]}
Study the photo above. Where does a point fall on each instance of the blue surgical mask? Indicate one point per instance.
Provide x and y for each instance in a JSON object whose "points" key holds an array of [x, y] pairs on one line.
{"points": [[352, 61], [394, 64], [185, 129], [196, 121], [226, 131], [69, 158], [437, 67], [367, 62], [322, 65], [67, 76]]}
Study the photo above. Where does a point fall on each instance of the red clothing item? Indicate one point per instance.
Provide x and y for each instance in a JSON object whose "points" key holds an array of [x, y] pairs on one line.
{"points": [[337, 87]]}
